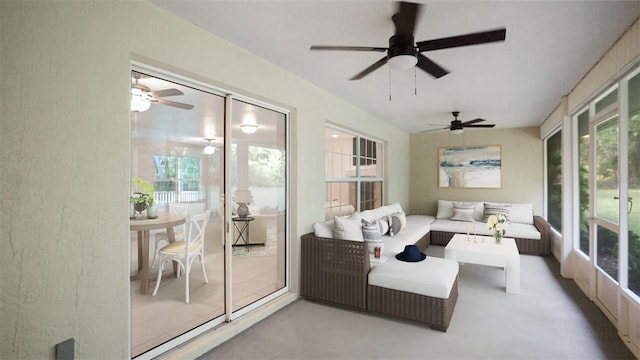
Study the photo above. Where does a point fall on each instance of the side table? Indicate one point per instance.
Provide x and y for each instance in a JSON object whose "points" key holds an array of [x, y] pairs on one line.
{"points": [[242, 227]]}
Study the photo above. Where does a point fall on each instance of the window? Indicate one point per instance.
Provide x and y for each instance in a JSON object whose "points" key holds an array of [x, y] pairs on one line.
{"points": [[176, 179], [554, 180], [354, 173]]}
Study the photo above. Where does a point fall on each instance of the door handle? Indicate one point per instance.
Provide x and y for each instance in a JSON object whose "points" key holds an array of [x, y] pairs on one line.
{"points": [[630, 203]]}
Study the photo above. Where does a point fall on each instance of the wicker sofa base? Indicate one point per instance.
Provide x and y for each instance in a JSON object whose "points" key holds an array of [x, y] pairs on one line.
{"points": [[435, 312]]}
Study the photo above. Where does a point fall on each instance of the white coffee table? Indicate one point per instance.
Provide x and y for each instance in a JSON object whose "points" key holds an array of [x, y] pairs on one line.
{"points": [[485, 251]]}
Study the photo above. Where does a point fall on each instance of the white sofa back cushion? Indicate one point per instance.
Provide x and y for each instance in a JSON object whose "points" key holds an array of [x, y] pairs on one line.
{"points": [[323, 229], [375, 214], [521, 213]]}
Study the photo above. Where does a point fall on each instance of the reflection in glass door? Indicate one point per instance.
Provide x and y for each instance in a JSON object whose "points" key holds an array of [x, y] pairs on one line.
{"points": [[176, 145], [208, 151], [257, 180]]}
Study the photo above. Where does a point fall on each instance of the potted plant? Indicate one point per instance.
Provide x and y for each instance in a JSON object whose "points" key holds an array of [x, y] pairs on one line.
{"points": [[143, 199]]}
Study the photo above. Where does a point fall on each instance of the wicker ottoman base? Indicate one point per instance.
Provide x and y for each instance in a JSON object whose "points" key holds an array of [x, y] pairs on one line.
{"points": [[435, 312]]}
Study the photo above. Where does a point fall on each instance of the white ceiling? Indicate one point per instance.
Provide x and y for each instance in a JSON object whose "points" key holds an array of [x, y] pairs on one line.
{"points": [[549, 47]]}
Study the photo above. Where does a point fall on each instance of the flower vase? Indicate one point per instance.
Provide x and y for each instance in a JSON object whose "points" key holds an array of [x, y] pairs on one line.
{"points": [[498, 237], [152, 212]]}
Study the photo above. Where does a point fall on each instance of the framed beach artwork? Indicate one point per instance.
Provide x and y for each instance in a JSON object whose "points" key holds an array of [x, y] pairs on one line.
{"points": [[471, 167]]}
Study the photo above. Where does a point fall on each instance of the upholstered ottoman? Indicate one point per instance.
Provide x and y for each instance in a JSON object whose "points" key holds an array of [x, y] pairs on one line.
{"points": [[424, 291]]}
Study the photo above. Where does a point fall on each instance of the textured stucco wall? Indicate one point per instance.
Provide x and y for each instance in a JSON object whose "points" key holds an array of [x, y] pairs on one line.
{"points": [[65, 159]]}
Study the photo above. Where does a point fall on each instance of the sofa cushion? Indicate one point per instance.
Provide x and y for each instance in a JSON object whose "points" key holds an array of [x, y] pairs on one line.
{"points": [[463, 214], [348, 228], [431, 277], [323, 229], [522, 231], [394, 208], [395, 225], [448, 225], [372, 230], [496, 209], [375, 214], [521, 213], [516, 230], [445, 209], [417, 227]]}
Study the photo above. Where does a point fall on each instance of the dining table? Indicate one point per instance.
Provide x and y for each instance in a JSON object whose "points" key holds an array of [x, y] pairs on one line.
{"points": [[143, 226]]}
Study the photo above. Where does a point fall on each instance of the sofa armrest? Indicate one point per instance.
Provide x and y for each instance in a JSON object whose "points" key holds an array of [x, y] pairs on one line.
{"points": [[334, 271], [544, 228]]}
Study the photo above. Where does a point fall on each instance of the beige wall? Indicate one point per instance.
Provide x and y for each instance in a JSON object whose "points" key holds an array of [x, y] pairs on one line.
{"points": [[522, 168], [65, 159]]}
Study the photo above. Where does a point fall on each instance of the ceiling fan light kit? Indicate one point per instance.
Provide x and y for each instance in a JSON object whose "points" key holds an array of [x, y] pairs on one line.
{"points": [[249, 128], [404, 53], [139, 102], [402, 62], [209, 149]]}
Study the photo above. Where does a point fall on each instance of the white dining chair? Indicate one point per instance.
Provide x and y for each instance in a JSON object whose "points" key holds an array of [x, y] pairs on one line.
{"points": [[184, 252], [163, 237]]}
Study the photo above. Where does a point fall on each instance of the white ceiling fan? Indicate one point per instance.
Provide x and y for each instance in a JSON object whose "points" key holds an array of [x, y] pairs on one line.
{"points": [[142, 96]]}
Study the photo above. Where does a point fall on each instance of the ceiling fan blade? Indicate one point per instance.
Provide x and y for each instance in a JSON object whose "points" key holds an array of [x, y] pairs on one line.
{"points": [[480, 126], [348, 48], [405, 18], [166, 92], [442, 128], [370, 69], [431, 67], [172, 103], [463, 40], [472, 121]]}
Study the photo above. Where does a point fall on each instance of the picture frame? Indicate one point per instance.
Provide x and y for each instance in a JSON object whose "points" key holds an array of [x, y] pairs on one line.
{"points": [[470, 167]]}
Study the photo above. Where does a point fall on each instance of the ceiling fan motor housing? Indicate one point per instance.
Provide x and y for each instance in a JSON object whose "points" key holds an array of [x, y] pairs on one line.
{"points": [[456, 125], [400, 44]]}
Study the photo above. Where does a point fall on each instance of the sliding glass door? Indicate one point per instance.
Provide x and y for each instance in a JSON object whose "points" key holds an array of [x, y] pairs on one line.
{"points": [[205, 149], [257, 178], [169, 132]]}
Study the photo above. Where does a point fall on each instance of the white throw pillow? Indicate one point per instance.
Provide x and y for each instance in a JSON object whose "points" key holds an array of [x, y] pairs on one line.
{"points": [[463, 214], [372, 230], [496, 209], [348, 228], [323, 229]]}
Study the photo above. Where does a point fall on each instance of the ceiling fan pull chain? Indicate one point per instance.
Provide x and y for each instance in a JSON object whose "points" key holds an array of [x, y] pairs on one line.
{"points": [[389, 85], [415, 82]]}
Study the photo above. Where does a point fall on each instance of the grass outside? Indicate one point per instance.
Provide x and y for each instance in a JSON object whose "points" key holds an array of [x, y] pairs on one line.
{"points": [[608, 208]]}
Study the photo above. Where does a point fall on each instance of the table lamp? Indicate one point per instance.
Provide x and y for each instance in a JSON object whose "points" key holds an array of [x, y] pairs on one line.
{"points": [[243, 197]]}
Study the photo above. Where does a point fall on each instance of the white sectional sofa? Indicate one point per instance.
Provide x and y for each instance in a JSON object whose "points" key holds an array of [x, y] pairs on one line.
{"points": [[415, 232], [338, 267], [531, 232]]}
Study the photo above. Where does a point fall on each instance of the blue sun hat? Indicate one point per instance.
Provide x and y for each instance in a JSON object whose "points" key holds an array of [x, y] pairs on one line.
{"points": [[411, 253]]}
